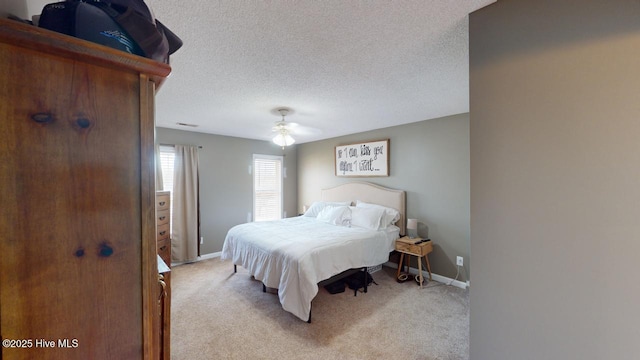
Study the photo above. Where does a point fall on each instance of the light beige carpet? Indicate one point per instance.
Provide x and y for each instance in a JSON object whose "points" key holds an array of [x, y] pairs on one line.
{"points": [[216, 314]]}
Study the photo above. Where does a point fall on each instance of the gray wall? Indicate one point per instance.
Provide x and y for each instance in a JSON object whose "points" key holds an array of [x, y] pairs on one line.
{"points": [[430, 161], [555, 170], [226, 187]]}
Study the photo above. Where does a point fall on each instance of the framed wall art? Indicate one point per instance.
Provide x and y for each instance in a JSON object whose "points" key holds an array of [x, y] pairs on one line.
{"points": [[365, 159]]}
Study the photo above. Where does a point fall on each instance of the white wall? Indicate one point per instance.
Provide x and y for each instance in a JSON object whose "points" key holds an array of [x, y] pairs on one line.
{"points": [[555, 180], [23, 9]]}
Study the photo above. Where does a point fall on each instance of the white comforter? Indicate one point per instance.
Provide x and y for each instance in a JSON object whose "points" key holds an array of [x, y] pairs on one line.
{"points": [[294, 254]]}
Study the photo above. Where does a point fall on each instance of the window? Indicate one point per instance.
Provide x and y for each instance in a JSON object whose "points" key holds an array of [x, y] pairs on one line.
{"points": [[267, 187], [167, 155]]}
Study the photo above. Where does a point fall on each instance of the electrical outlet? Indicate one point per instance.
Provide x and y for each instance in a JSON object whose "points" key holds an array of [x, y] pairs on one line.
{"points": [[460, 261]]}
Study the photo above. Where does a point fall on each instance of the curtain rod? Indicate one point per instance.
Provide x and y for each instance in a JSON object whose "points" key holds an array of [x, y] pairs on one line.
{"points": [[199, 146]]}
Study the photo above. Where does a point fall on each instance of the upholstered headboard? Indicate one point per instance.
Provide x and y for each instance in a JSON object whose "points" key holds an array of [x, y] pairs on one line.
{"points": [[370, 193]]}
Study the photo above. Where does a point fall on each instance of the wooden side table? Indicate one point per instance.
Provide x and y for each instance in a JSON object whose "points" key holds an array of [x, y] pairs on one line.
{"points": [[417, 247]]}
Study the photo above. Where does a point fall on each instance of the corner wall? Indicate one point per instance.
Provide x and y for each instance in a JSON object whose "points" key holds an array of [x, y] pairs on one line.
{"points": [[430, 161], [555, 170]]}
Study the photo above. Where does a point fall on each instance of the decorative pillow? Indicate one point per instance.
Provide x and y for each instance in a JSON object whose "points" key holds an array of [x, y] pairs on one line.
{"points": [[336, 215], [390, 215], [317, 206], [368, 218]]}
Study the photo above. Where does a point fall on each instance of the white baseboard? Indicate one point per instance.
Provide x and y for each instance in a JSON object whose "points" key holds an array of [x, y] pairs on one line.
{"points": [[199, 258], [435, 277], [210, 256]]}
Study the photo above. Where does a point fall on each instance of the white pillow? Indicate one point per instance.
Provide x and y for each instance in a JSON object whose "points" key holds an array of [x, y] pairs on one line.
{"points": [[390, 215], [336, 215], [317, 206], [368, 218]]}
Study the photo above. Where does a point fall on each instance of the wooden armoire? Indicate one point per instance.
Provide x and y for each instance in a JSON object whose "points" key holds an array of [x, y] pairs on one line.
{"points": [[78, 259]]}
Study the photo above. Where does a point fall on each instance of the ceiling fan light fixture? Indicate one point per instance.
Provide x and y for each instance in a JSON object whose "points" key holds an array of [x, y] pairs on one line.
{"points": [[283, 138]]}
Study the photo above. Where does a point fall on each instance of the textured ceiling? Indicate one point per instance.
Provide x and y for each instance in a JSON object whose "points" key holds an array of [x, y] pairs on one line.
{"points": [[342, 66]]}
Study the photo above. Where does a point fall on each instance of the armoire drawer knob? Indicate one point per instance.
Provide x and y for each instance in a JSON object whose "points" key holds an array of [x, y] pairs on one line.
{"points": [[83, 123], [42, 118]]}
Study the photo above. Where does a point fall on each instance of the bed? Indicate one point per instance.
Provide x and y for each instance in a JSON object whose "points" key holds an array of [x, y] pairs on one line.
{"points": [[295, 254]]}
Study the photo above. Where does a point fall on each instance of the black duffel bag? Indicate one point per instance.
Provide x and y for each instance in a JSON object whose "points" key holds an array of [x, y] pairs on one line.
{"points": [[127, 25]]}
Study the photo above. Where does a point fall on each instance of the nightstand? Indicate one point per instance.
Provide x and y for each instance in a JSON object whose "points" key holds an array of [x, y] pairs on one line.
{"points": [[408, 246]]}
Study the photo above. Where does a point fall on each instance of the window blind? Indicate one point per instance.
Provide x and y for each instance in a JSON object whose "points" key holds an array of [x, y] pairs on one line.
{"points": [[167, 156], [267, 187]]}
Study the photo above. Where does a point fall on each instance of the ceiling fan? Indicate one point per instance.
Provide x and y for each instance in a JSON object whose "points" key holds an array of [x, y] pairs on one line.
{"points": [[285, 129]]}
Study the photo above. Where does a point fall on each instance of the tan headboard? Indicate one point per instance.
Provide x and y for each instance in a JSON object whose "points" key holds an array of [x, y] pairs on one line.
{"points": [[370, 193]]}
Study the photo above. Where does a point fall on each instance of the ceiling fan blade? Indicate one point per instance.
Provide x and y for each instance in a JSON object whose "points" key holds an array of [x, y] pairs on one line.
{"points": [[296, 128], [293, 128]]}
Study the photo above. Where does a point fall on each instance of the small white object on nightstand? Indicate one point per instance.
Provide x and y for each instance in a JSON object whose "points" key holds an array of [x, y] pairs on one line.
{"points": [[412, 228]]}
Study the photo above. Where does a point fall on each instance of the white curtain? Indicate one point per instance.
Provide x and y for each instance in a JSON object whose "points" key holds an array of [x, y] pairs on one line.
{"points": [[184, 234]]}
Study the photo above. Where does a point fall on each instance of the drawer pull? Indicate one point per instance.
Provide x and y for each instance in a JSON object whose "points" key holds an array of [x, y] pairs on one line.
{"points": [[163, 286], [163, 248], [162, 218], [161, 203], [163, 232]]}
